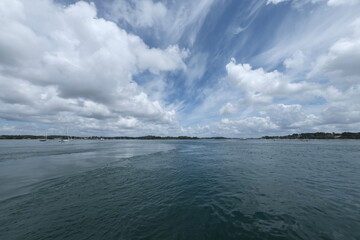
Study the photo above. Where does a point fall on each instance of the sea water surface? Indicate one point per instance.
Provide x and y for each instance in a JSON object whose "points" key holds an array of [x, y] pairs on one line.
{"points": [[188, 189]]}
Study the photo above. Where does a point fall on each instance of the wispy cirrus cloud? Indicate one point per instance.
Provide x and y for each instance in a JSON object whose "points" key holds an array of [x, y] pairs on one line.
{"points": [[141, 14], [329, 2], [169, 21]]}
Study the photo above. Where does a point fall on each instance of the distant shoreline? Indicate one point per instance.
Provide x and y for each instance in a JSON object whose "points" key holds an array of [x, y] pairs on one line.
{"points": [[318, 135], [295, 136], [58, 137]]}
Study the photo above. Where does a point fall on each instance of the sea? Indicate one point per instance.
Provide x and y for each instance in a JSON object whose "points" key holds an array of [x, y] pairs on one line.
{"points": [[180, 189]]}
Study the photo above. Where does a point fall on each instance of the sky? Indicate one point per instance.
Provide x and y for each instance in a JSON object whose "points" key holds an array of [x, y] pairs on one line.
{"points": [[233, 68]]}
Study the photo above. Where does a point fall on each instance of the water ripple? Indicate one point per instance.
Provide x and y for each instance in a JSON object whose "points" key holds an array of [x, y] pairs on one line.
{"points": [[198, 190]]}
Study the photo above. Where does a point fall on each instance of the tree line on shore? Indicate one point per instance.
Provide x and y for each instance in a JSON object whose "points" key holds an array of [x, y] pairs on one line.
{"points": [[149, 137], [318, 135]]}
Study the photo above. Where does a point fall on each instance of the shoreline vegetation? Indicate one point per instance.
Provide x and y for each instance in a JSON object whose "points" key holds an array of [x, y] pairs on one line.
{"points": [[318, 135], [149, 137], [299, 136]]}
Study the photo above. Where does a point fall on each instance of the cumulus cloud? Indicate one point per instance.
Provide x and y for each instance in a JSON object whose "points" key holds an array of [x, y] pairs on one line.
{"points": [[290, 116], [228, 108], [343, 107], [296, 61], [315, 91], [260, 86], [333, 109], [342, 59], [273, 119], [250, 125], [66, 65], [235, 127]]}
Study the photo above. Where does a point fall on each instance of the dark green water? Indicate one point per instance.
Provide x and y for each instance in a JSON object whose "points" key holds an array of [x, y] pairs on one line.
{"points": [[214, 189]]}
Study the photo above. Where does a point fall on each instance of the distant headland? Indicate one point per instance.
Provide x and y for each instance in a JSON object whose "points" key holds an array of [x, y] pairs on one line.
{"points": [[300, 136]]}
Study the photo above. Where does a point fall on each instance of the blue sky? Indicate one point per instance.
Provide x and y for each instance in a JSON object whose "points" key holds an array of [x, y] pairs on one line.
{"points": [[201, 68]]}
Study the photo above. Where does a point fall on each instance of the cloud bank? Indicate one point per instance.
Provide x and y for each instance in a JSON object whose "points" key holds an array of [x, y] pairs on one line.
{"points": [[65, 65]]}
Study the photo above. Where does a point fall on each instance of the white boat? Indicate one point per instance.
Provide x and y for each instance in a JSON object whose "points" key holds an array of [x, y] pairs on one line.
{"points": [[64, 139], [44, 139]]}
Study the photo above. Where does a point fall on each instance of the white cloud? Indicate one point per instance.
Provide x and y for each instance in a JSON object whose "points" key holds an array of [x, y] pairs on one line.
{"points": [[66, 65], [140, 13], [7, 128], [296, 61], [342, 2], [260, 86], [324, 43], [312, 33], [275, 1], [329, 2], [336, 111], [238, 30], [275, 119], [228, 108], [196, 67], [342, 107], [342, 60], [290, 116], [156, 60], [249, 125], [169, 22]]}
